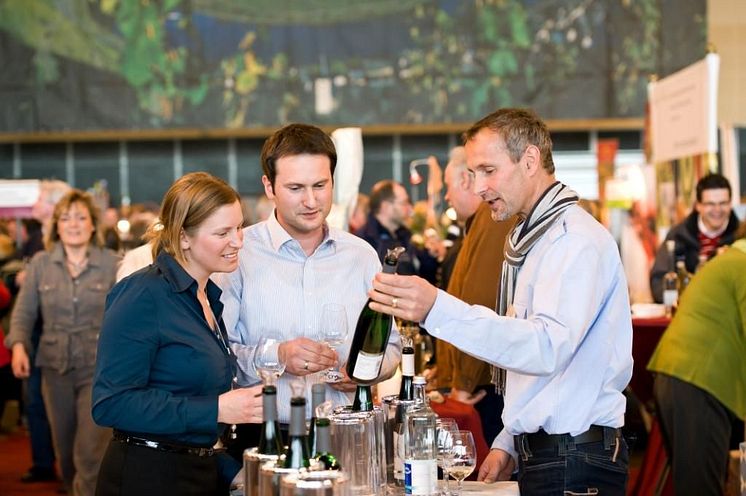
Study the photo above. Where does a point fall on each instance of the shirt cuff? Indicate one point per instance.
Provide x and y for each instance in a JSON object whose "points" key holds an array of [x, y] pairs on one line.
{"points": [[504, 441]]}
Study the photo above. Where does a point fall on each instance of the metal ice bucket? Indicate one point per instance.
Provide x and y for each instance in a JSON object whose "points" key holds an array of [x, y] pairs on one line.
{"points": [[391, 405], [358, 441], [252, 460], [316, 483], [269, 478]]}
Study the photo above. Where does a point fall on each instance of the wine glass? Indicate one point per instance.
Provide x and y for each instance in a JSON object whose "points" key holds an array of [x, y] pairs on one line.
{"points": [[445, 430], [333, 333], [461, 459], [267, 361]]}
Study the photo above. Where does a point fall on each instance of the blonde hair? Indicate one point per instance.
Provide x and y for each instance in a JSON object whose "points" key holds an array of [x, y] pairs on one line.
{"points": [[189, 201], [63, 205]]}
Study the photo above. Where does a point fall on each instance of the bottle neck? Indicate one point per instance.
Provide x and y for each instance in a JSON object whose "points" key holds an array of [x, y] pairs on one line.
{"points": [[297, 425], [318, 396], [323, 436], [407, 362], [420, 395], [269, 404], [363, 399]]}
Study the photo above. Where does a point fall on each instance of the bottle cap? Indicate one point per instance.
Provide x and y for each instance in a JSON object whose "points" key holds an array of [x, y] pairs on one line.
{"points": [[418, 379]]}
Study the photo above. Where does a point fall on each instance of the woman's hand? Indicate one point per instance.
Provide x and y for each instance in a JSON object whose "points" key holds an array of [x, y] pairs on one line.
{"points": [[20, 361], [241, 406]]}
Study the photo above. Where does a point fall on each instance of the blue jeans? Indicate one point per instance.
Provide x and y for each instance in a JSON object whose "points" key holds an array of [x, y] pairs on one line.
{"points": [[583, 469], [42, 450]]}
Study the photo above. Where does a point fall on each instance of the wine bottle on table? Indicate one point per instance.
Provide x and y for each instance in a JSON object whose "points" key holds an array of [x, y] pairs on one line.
{"points": [[371, 334], [363, 401], [318, 396], [406, 390], [323, 452], [270, 441], [670, 282], [297, 454]]}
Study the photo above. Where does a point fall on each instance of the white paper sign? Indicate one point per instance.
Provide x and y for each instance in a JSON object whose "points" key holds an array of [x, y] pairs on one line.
{"points": [[683, 111], [18, 193]]}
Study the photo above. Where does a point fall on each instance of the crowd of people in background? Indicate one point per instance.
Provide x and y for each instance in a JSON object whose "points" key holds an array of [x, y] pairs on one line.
{"points": [[58, 267]]}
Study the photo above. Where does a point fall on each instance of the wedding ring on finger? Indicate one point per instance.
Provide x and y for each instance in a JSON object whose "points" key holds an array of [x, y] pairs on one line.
{"points": [[305, 365], [395, 302]]}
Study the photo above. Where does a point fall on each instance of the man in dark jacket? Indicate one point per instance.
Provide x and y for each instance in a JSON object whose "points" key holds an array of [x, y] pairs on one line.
{"points": [[711, 225]]}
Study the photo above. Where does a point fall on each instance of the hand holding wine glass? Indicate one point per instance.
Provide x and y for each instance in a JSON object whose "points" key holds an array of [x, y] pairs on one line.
{"points": [[268, 363], [461, 458], [333, 333]]}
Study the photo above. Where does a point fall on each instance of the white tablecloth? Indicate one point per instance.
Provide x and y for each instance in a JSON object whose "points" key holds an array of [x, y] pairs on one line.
{"points": [[506, 488]]}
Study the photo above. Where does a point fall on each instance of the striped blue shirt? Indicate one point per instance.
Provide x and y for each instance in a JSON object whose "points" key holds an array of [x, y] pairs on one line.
{"points": [[278, 287]]}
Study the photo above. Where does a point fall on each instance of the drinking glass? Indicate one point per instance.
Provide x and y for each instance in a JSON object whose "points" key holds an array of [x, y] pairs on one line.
{"points": [[267, 361], [445, 431], [461, 459], [333, 333]]}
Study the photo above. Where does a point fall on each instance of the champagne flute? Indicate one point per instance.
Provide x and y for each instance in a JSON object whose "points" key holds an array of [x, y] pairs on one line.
{"points": [[267, 361], [333, 333], [445, 430], [461, 458]]}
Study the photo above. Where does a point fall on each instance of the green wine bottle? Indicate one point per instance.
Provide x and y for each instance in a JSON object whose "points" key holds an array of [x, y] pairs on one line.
{"points": [[371, 335], [270, 442], [318, 396], [323, 454], [363, 401], [297, 454], [406, 390]]}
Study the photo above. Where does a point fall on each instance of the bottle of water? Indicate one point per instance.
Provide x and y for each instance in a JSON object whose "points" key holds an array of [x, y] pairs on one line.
{"points": [[420, 447]]}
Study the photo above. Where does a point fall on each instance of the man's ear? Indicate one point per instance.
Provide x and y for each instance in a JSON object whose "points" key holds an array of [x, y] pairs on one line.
{"points": [[268, 190], [532, 160], [466, 180]]}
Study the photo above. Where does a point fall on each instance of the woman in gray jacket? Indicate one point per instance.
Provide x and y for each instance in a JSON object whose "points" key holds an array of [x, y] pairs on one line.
{"points": [[66, 285]]}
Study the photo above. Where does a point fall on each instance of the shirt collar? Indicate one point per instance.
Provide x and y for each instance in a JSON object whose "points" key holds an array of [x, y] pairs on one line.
{"points": [[94, 254], [278, 236], [710, 234], [180, 280]]}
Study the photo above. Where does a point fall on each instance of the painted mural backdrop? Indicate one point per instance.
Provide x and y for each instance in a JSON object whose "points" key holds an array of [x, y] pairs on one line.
{"points": [[146, 64]]}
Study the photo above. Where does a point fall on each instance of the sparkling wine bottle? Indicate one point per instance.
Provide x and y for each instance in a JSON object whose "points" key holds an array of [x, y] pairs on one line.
{"points": [[371, 335], [363, 401], [323, 454], [318, 396], [297, 454], [406, 390], [270, 441]]}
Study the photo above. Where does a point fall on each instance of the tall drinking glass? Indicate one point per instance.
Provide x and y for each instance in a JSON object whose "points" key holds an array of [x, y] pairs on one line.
{"points": [[445, 431], [333, 333]]}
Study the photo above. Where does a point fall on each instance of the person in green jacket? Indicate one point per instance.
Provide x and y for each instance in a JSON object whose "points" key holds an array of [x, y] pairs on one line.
{"points": [[700, 366]]}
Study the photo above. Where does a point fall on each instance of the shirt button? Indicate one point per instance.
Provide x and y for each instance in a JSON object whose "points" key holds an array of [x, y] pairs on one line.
{"points": [[75, 300], [76, 282]]}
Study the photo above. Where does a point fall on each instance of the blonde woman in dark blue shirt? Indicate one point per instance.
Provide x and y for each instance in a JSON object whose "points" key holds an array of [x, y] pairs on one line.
{"points": [[164, 371]]}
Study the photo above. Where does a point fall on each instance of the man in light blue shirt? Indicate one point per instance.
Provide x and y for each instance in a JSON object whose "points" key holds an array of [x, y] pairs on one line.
{"points": [[292, 264], [563, 332]]}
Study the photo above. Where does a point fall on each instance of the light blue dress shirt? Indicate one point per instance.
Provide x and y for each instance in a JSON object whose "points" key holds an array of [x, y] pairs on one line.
{"points": [[568, 349], [278, 288]]}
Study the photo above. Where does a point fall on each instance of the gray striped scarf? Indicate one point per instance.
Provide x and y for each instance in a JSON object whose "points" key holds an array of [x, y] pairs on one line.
{"points": [[553, 202]]}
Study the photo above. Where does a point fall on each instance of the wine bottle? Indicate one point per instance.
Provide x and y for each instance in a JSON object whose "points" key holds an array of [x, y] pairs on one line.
{"points": [[297, 454], [363, 401], [322, 453], [318, 396], [371, 335], [270, 441], [684, 276], [406, 390]]}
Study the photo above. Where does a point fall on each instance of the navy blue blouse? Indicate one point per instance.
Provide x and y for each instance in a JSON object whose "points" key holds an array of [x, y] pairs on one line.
{"points": [[160, 368]]}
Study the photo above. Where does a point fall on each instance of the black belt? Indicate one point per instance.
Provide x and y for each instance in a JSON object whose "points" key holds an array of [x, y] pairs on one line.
{"points": [[541, 440], [161, 446]]}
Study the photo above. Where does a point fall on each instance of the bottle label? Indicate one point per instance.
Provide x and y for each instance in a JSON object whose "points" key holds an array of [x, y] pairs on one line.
{"points": [[420, 477], [367, 366], [398, 457], [407, 364], [669, 297]]}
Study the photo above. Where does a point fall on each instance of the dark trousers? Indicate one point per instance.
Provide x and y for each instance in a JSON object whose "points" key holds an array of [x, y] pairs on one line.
{"points": [[583, 469], [490, 409], [139, 471], [42, 450], [697, 429]]}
